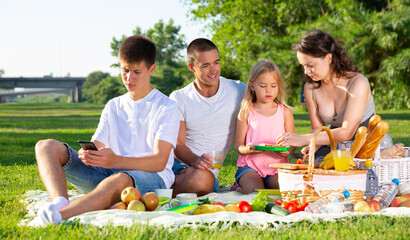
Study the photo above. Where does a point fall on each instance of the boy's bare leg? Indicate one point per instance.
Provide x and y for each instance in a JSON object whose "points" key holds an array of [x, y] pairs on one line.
{"points": [[103, 196], [51, 155]]}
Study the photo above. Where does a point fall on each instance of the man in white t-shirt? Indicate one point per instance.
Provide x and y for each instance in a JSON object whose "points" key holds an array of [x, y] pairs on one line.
{"points": [[208, 109], [135, 138]]}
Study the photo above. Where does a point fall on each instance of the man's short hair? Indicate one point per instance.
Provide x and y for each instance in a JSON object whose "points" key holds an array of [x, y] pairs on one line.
{"points": [[199, 45], [136, 49]]}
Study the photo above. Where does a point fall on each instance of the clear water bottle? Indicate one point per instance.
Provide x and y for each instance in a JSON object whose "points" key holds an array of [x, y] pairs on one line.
{"points": [[331, 198], [387, 192], [372, 181], [340, 207]]}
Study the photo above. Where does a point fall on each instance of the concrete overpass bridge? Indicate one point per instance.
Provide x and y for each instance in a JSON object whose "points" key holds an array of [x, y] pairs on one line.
{"points": [[72, 84]]}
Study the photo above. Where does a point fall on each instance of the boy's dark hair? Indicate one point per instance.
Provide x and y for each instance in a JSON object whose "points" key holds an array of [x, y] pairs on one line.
{"points": [[199, 45], [136, 49]]}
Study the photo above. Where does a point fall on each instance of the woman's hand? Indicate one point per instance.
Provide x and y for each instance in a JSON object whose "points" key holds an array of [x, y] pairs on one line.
{"points": [[291, 139], [249, 149]]}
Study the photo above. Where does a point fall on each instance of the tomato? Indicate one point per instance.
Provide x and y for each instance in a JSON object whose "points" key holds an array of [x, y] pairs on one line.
{"points": [[285, 205], [296, 202], [244, 206], [292, 208], [278, 202], [301, 207], [299, 161]]}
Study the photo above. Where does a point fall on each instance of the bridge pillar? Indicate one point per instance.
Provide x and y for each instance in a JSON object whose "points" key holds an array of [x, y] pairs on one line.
{"points": [[77, 93], [71, 97]]}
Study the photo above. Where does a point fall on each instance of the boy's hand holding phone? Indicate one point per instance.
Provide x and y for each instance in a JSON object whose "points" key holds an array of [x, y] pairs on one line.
{"points": [[87, 145]]}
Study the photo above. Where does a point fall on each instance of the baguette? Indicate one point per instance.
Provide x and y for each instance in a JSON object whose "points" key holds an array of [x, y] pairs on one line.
{"points": [[359, 140], [374, 120], [373, 140]]}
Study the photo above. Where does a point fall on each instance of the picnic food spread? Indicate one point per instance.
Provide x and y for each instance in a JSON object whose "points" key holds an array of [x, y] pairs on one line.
{"points": [[364, 146]]}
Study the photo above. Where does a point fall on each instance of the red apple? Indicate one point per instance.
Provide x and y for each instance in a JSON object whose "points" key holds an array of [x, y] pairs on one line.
{"points": [[397, 201], [150, 201], [374, 205], [119, 205], [129, 194], [136, 205], [405, 203], [218, 203], [406, 195]]}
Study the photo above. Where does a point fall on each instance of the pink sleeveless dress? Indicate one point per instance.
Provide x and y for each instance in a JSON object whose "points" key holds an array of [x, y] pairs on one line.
{"points": [[262, 129]]}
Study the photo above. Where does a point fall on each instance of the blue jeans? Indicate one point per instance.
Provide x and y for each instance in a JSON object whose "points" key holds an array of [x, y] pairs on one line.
{"points": [[178, 166], [242, 170], [85, 178]]}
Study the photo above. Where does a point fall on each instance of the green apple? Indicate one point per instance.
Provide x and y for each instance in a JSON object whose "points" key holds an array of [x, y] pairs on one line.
{"points": [[136, 205]]}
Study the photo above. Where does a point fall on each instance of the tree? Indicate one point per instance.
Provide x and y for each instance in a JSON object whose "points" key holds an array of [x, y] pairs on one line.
{"points": [[107, 89], [376, 32], [1, 72], [92, 80], [168, 75]]}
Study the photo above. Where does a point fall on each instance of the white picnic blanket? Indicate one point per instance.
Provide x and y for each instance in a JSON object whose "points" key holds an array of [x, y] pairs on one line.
{"points": [[222, 220]]}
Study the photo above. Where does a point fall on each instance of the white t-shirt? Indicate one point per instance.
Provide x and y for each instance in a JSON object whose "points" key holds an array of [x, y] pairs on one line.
{"points": [[130, 127], [210, 122]]}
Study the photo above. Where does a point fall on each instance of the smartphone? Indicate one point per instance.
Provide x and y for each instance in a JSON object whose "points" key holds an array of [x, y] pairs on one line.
{"points": [[87, 145]]}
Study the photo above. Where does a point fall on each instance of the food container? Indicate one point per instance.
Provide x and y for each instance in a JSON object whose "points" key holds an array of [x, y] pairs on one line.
{"points": [[311, 184], [387, 169]]}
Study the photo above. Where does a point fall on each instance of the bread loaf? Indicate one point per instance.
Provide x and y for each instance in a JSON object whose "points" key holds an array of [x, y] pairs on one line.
{"points": [[373, 140], [374, 120], [359, 140]]}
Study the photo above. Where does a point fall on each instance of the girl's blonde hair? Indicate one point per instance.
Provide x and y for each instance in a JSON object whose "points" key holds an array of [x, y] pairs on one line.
{"points": [[259, 68]]}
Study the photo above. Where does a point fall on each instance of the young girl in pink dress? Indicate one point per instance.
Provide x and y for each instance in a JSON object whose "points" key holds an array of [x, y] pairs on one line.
{"points": [[263, 116]]}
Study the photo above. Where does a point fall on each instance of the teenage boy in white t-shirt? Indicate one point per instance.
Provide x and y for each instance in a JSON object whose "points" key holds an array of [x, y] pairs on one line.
{"points": [[207, 110], [135, 138]]}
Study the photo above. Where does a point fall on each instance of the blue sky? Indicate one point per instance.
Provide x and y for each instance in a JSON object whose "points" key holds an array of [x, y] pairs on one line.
{"points": [[39, 37]]}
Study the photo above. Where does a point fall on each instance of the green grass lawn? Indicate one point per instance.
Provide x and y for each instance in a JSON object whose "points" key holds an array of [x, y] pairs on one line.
{"points": [[22, 125]]}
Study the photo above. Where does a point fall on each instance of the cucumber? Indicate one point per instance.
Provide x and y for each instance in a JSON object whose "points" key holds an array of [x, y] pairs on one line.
{"points": [[274, 208]]}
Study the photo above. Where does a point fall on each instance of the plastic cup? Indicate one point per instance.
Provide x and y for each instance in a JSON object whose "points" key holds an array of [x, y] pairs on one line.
{"points": [[342, 160], [163, 192], [183, 199], [217, 158]]}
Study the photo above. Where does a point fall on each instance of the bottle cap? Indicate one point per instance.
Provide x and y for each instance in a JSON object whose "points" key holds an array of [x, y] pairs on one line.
{"points": [[396, 181], [346, 193], [368, 163]]}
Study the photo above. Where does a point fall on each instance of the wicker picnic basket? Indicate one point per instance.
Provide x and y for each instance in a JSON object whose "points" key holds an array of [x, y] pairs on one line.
{"points": [[389, 168], [311, 184]]}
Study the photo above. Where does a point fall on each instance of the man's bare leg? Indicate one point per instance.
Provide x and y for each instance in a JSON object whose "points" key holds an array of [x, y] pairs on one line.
{"points": [[192, 180]]}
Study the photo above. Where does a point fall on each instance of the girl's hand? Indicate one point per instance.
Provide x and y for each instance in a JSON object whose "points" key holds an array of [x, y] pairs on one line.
{"points": [[249, 149], [283, 153]]}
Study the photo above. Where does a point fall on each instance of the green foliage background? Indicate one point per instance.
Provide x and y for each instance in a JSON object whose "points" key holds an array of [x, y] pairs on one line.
{"points": [[376, 33]]}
